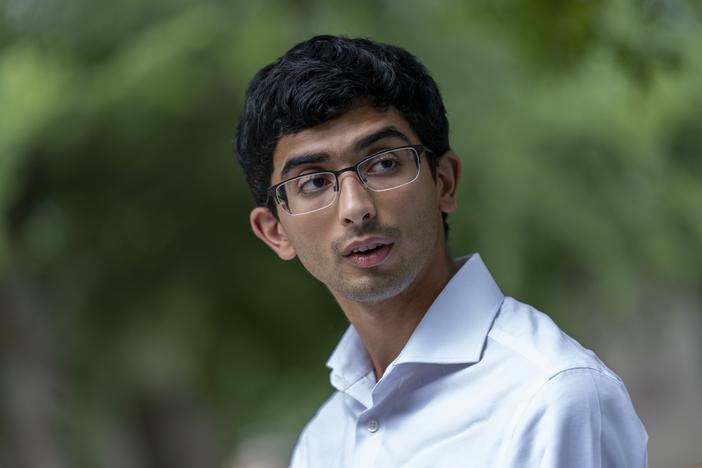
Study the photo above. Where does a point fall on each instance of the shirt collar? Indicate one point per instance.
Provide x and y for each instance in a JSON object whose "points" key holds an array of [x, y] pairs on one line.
{"points": [[452, 331]]}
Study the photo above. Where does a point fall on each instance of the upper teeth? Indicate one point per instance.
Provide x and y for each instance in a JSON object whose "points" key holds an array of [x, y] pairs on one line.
{"points": [[365, 248]]}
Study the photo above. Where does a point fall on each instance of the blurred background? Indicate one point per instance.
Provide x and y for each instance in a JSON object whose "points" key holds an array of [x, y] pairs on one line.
{"points": [[143, 326]]}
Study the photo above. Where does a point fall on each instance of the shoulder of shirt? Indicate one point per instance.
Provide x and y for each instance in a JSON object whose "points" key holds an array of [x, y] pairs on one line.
{"points": [[536, 341]]}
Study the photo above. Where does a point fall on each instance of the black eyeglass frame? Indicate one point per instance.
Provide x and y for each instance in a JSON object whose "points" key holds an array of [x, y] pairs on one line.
{"points": [[273, 193]]}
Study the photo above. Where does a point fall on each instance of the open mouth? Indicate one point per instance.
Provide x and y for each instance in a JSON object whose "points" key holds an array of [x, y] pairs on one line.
{"points": [[370, 255]]}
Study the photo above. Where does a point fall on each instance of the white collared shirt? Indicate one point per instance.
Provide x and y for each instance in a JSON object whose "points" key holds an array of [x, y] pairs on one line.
{"points": [[484, 381]]}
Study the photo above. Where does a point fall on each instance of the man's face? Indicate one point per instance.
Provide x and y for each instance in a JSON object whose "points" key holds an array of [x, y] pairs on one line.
{"points": [[404, 223]]}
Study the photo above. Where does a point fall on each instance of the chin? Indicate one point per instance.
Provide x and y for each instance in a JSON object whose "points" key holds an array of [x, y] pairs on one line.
{"points": [[371, 292]]}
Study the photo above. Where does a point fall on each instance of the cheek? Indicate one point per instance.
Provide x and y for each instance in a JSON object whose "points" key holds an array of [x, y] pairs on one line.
{"points": [[302, 239], [422, 215], [419, 200], [311, 248]]}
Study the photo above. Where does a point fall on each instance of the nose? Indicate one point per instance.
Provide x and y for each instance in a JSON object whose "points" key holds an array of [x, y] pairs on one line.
{"points": [[356, 203]]}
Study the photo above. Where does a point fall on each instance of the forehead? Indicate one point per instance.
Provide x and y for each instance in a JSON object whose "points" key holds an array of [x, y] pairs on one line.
{"points": [[337, 137]]}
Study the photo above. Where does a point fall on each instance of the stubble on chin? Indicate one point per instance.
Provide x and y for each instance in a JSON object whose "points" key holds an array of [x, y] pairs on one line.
{"points": [[371, 285], [363, 286], [375, 285], [373, 289]]}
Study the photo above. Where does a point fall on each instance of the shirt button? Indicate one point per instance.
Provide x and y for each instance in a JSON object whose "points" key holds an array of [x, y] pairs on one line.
{"points": [[373, 425]]}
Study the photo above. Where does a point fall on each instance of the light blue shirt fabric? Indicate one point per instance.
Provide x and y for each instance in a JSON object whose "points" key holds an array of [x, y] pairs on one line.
{"points": [[484, 381]]}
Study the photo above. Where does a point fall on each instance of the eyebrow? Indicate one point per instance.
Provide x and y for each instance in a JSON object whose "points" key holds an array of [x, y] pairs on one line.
{"points": [[385, 132], [361, 144], [302, 159]]}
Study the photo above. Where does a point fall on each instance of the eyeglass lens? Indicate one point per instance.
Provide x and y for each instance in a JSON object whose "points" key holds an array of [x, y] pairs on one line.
{"points": [[384, 171]]}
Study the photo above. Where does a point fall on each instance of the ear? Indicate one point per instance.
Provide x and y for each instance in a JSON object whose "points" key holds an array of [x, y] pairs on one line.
{"points": [[448, 171], [269, 230]]}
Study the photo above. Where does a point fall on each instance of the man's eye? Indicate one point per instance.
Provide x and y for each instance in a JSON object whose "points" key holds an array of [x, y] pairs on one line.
{"points": [[313, 184], [384, 165]]}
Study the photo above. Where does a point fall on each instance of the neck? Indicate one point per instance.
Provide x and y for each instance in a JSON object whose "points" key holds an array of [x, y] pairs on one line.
{"points": [[385, 327]]}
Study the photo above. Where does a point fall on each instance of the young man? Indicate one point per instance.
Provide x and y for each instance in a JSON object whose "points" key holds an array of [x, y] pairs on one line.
{"points": [[344, 143]]}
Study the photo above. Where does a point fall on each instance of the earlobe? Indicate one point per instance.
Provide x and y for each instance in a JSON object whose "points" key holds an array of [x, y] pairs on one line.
{"points": [[448, 172], [267, 228]]}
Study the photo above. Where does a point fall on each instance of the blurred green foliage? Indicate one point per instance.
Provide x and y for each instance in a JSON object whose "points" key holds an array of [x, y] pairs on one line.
{"points": [[579, 124]]}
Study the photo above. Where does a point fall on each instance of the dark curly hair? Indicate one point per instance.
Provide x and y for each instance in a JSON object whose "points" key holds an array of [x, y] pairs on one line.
{"points": [[323, 78]]}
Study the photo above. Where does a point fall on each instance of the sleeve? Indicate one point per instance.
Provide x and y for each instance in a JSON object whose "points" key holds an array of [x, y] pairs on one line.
{"points": [[581, 418]]}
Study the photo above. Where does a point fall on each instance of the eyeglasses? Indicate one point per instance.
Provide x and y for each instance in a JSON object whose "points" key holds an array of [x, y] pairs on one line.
{"points": [[379, 172]]}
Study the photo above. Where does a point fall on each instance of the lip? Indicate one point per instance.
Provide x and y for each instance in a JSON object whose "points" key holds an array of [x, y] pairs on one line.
{"points": [[373, 259], [364, 242]]}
